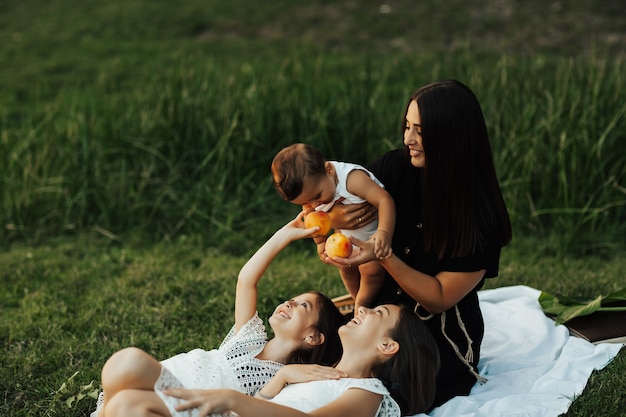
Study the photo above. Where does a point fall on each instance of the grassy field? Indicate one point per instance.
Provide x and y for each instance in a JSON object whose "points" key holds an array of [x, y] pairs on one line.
{"points": [[136, 136], [69, 304], [164, 128]]}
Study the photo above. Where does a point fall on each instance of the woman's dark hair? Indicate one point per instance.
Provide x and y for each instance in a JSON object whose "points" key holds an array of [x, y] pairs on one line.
{"points": [[294, 163], [410, 375], [328, 323], [463, 204]]}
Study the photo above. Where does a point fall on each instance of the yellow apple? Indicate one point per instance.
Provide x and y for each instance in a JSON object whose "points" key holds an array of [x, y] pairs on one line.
{"points": [[338, 246], [318, 218]]}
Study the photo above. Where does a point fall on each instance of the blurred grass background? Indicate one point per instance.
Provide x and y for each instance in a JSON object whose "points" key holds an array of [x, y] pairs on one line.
{"points": [[136, 138], [161, 119]]}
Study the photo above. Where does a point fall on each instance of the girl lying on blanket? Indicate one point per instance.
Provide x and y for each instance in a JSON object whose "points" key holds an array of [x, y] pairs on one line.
{"points": [[305, 331], [388, 369]]}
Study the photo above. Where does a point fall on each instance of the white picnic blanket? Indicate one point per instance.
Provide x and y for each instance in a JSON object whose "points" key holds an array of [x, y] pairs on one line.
{"points": [[534, 368]]}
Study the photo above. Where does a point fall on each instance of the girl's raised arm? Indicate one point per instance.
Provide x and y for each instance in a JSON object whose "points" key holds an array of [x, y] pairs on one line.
{"points": [[253, 270]]}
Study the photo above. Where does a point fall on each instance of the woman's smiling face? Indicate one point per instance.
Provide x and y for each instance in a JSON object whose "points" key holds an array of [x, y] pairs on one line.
{"points": [[413, 135]]}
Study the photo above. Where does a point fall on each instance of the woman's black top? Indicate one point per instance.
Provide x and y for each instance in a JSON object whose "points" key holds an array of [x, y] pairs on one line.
{"points": [[404, 182]]}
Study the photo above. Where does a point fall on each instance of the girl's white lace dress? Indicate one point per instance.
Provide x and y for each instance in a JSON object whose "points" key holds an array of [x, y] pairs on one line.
{"points": [[309, 396], [233, 365]]}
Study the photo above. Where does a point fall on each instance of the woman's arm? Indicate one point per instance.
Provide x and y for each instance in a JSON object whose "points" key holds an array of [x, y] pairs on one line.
{"points": [[352, 403], [253, 270], [435, 293]]}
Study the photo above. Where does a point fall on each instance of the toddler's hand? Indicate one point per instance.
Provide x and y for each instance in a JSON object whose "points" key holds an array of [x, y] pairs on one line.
{"points": [[382, 244]]}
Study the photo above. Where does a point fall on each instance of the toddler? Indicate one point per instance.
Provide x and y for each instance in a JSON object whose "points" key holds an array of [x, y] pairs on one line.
{"points": [[303, 176]]}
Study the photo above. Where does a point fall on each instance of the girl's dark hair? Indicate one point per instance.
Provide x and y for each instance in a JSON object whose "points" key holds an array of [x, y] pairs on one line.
{"points": [[463, 204], [294, 163], [329, 321], [410, 375]]}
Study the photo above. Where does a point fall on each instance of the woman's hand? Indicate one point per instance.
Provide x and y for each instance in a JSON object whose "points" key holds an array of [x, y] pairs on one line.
{"points": [[292, 374], [362, 252], [206, 401], [351, 216], [321, 249], [382, 244]]}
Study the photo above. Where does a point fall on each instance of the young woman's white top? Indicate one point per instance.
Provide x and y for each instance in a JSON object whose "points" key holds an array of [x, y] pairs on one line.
{"points": [[309, 396]]}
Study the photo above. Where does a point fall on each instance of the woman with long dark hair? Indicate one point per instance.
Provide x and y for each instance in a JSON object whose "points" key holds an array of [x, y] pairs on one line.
{"points": [[451, 223]]}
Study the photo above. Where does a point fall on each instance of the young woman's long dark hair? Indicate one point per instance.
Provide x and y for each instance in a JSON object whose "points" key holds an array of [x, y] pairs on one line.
{"points": [[410, 375], [463, 204]]}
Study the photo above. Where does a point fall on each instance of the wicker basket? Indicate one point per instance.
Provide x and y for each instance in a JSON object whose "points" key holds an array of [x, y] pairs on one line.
{"points": [[345, 304]]}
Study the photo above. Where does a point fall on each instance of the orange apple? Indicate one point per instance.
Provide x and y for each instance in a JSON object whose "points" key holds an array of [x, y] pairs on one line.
{"points": [[318, 218], [338, 245]]}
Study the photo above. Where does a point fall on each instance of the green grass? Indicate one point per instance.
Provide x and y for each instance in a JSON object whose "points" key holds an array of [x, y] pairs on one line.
{"points": [[189, 150], [68, 305], [136, 137], [166, 125]]}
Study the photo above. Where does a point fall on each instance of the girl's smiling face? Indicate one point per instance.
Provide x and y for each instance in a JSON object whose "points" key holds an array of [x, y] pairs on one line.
{"points": [[296, 315]]}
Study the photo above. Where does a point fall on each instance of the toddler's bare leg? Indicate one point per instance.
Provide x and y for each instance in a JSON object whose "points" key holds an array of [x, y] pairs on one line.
{"points": [[351, 279], [372, 279]]}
